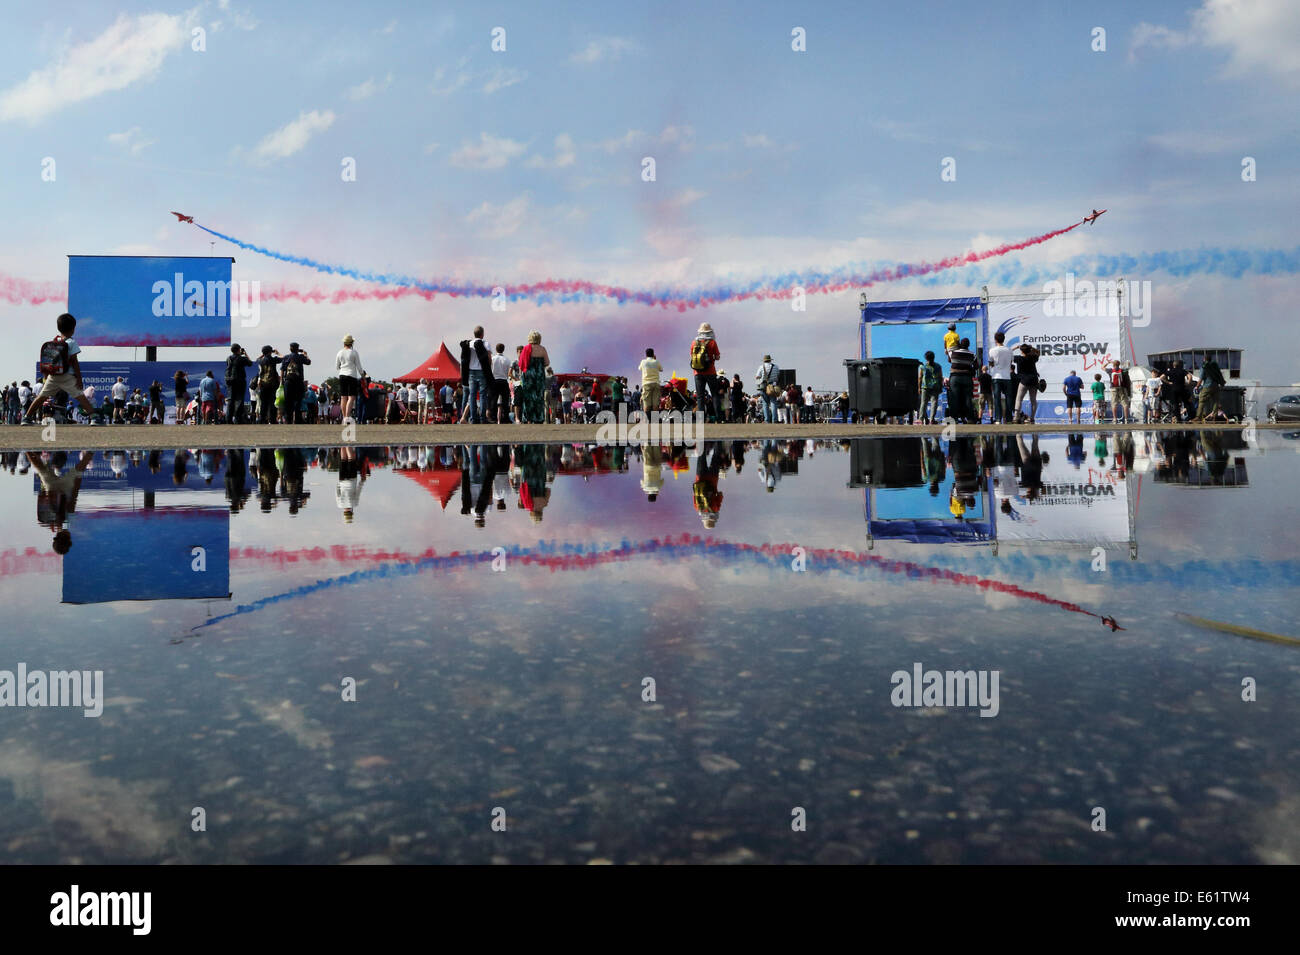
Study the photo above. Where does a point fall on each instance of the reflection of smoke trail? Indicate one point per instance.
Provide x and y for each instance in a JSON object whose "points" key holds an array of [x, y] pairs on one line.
{"points": [[583, 557], [574, 290]]}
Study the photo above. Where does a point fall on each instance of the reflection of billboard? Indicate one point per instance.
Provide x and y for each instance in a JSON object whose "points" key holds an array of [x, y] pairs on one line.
{"points": [[154, 471], [147, 555], [1082, 499], [1077, 340], [913, 494], [150, 300]]}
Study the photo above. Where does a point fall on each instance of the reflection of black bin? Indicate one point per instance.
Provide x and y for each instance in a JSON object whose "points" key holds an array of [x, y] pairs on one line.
{"points": [[883, 385], [1233, 401], [885, 462]]}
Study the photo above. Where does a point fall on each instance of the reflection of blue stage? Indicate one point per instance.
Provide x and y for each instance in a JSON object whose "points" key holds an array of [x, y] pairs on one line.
{"points": [[915, 515], [190, 473], [147, 554]]}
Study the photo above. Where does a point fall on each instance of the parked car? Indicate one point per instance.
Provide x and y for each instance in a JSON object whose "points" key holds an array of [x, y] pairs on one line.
{"points": [[1286, 408]]}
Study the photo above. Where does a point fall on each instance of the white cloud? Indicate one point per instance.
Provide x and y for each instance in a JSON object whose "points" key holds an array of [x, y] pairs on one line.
{"points": [[442, 86], [685, 198], [626, 141], [759, 141], [1196, 143], [130, 140], [131, 50], [293, 136], [1256, 34], [499, 221], [683, 137], [243, 21], [502, 78], [431, 148], [369, 88], [490, 152], [604, 48], [565, 155], [391, 27]]}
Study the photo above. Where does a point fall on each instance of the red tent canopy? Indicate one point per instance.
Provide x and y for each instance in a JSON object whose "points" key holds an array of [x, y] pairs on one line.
{"points": [[443, 484], [440, 366]]}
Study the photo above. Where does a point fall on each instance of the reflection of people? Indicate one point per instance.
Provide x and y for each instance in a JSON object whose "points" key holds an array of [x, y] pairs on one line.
{"points": [[533, 495], [652, 471], [1031, 467], [707, 497], [348, 491], [57, 498]]}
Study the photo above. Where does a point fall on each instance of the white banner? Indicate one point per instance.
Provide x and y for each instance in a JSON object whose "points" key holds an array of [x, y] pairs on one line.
{"points": [[1077, 328], [1083, 498]]}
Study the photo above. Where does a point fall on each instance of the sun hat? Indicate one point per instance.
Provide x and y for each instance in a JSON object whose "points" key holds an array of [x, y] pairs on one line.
{"points": [[348, 339], [705, 330]]}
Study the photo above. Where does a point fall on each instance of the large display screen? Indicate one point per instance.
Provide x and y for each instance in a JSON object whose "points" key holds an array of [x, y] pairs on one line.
{"points": [[152, 300]]}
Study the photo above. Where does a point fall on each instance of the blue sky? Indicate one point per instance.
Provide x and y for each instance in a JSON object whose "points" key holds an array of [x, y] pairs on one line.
{"points": [[525, 164]]}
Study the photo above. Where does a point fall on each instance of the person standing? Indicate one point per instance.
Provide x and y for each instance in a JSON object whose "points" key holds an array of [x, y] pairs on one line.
{"points": [[1211, 383], [119, 400], [766, 376], [501, 385], [1120, 392], [207, 398], [961, 382], [704, 358], [476, 374], [181, 386], [986, 394], [1000, 361], [737, 398], [1098, 388], [533, 363], [268, 381], [950, 340], [1072, 388], [347, 363], [1027, 377], [156, 413], [650, 369], [236, 384], [422, 401], [930, 384], [294, 378]]}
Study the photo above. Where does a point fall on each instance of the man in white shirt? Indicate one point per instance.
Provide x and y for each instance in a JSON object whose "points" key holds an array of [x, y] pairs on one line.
{"points": [[422, 400], [651, 369], [767, 374], [1000, 368], [119, 391]]}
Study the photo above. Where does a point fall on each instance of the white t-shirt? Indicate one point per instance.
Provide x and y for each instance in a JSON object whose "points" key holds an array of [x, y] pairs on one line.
{"points": [[422, 391], [500, 367], [473, 363], [73, 347], [348, 362], [650, 371], [119, 391], [808, 398], [24, 395], [347, 493], [1000, 362]]}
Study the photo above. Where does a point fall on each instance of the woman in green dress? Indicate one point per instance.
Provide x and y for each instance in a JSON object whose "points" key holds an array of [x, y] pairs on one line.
{"points": [[533, 363]]}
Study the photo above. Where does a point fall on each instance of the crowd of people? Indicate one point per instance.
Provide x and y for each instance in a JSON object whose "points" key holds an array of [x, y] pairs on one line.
{"points": [[273, 388]]}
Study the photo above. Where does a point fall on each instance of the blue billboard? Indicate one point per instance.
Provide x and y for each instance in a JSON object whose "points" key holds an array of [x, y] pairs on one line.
{"points": [[102, 375], [157, 471], [152, 300], [147, 554]]}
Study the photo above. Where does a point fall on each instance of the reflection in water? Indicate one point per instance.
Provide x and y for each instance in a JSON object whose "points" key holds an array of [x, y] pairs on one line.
{"points": [[499, 606]]}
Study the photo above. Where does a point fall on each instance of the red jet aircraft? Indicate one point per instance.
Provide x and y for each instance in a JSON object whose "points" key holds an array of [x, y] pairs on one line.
{"points": [[181, 217], [1089, 219]]}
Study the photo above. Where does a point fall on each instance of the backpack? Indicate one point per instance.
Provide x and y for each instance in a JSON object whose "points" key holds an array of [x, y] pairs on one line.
{"points": [[1116, 378], [929, 376], [699, 354], [292, 371], [54, 357]]}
